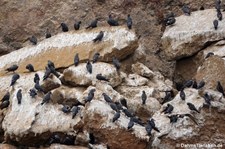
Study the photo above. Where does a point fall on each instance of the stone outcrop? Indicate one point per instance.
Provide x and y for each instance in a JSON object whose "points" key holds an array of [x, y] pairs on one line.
{"points": [[62, 48], [186, 37]]}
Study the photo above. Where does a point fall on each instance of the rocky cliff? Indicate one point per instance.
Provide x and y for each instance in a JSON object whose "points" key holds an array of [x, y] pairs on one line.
{"points": [[167, 93]]}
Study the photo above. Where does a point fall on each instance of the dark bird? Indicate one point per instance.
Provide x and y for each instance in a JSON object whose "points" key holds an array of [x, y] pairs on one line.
{"points": [[219, 15], [128, 113], [76, 59], [116, 116], [130, 124], [6, 97], [186, 10], [64, 27], [112, 22], [182, 95], [74, 111], [201, 84], [217, 5], [209, 54], [100, 77], [113, 106], [143, 97], [33, 40], [116, 63], [68, 140], [148, 128], [38, 87], [167, 97], [215, 23], [32, 93], [92, 138], [119, 105], [152, 123], [15, 77], [192, 107], [219, 88], [48, 34], [173, 118], [188, 83], [202, 8], [54, 72], [138, 121], [4, 104], [170, 21], [208, 98], [50, 64], [54, 139], [168, 109], [96, 57], [66, 109], [36, 78], [12, 68], [30, 67], [90, 95], [47, 73], [89, 67], [99, 37], [77, 25], [195, 85], [129, 22], [19, 96], [93, 24], [107, 98], [46, 98], [124, 102]]}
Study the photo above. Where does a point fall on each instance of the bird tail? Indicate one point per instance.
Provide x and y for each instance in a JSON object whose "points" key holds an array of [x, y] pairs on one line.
{"points": [[94, 40]]}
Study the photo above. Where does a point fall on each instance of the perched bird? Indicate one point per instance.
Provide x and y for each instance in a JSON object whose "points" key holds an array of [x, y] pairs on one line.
{"points": [[111, 21], [68, 140], [195, 85], [167, 97], [54, 72], [152, 123], [217, 5], [100, 77], [77, 25], [91, 138], [186, 10], [113, 106], [170, 21], [202, 8], [209, 54], [129, 22], [74, 111], [219, 15], [50, 64], [192, 107], [182, 95], [208, 98], [188, 83], [54, 139], [201, 84], [93, 24], [148, 128], [36, 78], [116, 63], [66, 109], [116, 116], [38, 87], [168, 109], [143, 97], [124, 102], [15, 77], [12, 68], [215, 23], [33, 40], [119, 105], [32, 93], [30, 67], [173, 118], [6, 97], [19, 96], [89, 67], [47, 73], [128, 113], [46, 98], [138, 120], [107, 98], [99, 37], [130, 124], [48, 34], [4, 104], [90, 95], [95, 57], [76, 59], [219, 88], [64, 27]]}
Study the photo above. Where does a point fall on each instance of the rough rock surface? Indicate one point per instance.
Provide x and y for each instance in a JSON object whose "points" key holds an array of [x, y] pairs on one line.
{"points": [[62, 48], [187, 37]]}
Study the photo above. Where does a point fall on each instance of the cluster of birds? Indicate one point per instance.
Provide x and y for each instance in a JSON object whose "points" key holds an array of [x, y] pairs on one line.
{"points": [[93, 24]]}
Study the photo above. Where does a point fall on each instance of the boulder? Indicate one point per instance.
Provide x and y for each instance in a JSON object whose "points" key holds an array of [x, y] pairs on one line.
{"points": [[142, 70], [62, 48], [191, 33], [79, 76], [135, 80]]}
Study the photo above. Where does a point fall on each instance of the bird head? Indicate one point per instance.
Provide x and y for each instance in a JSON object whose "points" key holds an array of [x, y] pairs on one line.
{"points": [[128, 15], [79, 22]]}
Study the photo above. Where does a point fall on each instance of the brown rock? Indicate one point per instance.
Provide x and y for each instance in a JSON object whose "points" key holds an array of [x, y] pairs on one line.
{"points": [[142, 70], [7, 146]]}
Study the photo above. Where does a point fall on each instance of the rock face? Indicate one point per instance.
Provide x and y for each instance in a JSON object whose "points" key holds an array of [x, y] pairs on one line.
{"points": [[62, 48], [187, 37]]}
